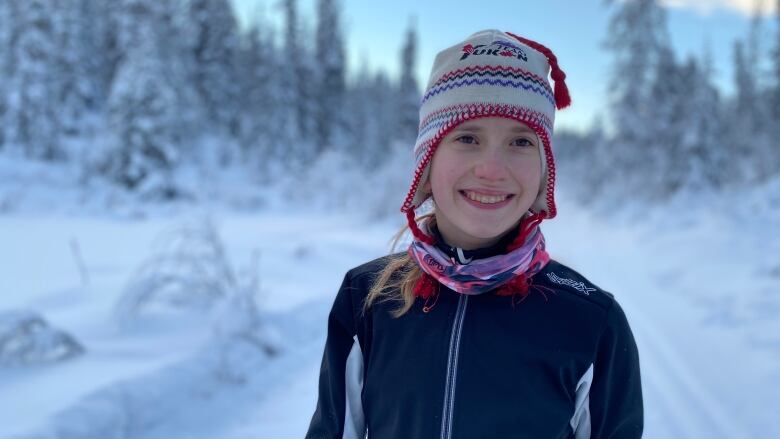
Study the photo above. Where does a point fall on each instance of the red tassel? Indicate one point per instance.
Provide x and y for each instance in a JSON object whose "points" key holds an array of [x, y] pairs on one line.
{"points": [[518, 285], [419, 234], [560, 90], [427, 288]]}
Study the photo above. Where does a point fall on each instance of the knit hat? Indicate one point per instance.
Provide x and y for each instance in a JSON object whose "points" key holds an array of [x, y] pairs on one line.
{"points": [[490, 74]]}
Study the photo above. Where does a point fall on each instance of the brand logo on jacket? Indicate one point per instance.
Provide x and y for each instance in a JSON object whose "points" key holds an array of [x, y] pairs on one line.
{"points": [[496, 48], [579, 286]]}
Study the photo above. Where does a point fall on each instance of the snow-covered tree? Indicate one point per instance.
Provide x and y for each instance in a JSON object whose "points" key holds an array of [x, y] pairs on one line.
{"points": [[6, 20], [330, 56], [747, 130], [143, 106], [359, 125], [661, 153], [32, 116], [177, 35], [698, 161], [216, 48], [637, 38], [408, 90], [742, 111], [380, 98], [262, 117], [775, 94], [77, 72], [299, 84], [98, 35], [710, 156]]}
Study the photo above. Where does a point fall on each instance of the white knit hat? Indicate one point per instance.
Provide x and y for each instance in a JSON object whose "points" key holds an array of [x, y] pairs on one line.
{"points": [[491, 73]]}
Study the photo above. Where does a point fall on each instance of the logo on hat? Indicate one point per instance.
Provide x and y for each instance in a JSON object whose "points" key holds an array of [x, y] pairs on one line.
{"points": [[496, 48]]}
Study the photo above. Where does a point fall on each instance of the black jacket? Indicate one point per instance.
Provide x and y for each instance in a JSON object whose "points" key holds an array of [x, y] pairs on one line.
{"points": [[560, 364]]}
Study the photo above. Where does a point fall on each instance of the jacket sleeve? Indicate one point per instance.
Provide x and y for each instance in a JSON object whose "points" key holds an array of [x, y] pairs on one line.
{"points": [[616, 393], [339, 413]]}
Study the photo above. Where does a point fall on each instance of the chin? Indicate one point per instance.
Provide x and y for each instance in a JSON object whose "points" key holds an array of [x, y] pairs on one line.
{"points": [[487, 232]]}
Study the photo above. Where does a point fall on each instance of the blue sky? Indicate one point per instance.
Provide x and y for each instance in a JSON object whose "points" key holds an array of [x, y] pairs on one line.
{"points": [[574, 30]]}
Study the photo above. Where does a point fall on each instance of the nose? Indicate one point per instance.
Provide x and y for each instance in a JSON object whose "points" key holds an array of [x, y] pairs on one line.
{"points": [[491, 165]]}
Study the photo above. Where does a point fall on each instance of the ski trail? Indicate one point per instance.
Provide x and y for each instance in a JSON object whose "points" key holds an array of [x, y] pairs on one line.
{"points": [[677, 403], [272, 416], [692, 411]]}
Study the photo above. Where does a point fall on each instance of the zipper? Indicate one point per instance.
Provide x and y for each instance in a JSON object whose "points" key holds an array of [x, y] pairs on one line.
{"points": [[452, 368]]}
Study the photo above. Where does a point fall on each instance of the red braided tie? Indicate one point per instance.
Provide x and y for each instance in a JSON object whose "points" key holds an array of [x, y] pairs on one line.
{"points": [[561, 91], [419, 234], [527, 225]]}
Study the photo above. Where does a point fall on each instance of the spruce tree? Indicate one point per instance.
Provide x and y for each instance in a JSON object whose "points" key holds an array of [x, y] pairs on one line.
{"points": [[32, 116], [142, 107], [262, 116], [408, 89], [6, 21], [775, 95], [330, 56], [299, 84], [76, 80], [215, 49], [711, 156], [637, 38]]}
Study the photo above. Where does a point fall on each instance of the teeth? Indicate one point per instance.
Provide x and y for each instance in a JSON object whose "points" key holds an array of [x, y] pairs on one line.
{"points": [[487, 199]]}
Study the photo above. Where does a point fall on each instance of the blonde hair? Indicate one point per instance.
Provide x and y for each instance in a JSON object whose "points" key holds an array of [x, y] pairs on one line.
{"points": [[399, 288]]}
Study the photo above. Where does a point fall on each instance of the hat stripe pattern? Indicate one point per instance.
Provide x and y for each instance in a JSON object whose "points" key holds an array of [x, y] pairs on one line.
{"points": [[440, 118], [467, 77], [530, 76]]}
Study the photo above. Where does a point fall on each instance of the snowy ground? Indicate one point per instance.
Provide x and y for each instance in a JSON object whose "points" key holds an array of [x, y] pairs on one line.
{"points": [[701, 290]]}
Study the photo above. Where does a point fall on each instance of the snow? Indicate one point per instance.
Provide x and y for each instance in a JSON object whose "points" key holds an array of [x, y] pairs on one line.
{"points": [[697, 279]]}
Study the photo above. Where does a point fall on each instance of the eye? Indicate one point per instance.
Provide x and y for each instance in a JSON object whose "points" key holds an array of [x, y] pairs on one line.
{"points": [[523, 142], [469, 140]]}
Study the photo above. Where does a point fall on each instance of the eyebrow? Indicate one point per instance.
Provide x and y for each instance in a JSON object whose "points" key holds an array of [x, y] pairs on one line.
{"points": [[477, 129]]}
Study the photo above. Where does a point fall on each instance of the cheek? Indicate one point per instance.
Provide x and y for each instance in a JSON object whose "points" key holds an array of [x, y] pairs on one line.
{"points": [[444, 172], [439, 182], [529, 172]]}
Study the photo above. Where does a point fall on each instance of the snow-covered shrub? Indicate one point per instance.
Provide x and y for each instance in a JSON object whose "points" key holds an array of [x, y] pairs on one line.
{"points": [[26, 338], [190, 270]]}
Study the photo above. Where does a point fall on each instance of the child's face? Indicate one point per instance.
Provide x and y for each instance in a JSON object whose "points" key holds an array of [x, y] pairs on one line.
{"points": [[484, 176]]}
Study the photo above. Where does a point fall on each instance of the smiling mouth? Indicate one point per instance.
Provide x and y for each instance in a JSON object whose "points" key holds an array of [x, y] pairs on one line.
{"points": [[486, 199]]}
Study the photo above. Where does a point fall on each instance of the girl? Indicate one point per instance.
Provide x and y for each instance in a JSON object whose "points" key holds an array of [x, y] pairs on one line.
{"points": [[474, 331]]}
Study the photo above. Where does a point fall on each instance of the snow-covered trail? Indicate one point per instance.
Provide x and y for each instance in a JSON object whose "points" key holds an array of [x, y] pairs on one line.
{"points": [[698, 291], [679, 403], [700, 380], [709, 344]]}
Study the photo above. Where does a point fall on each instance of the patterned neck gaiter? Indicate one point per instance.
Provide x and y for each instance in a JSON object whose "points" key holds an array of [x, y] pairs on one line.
{"points": [[479, 276]]}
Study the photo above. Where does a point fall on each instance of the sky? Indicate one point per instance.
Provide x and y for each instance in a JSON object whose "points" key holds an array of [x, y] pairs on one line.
{"points": [[574, 30]]}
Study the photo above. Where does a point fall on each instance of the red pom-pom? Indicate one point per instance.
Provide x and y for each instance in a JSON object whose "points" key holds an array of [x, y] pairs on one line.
{"points": [[562, 98], [518, 285], [426, 286]]}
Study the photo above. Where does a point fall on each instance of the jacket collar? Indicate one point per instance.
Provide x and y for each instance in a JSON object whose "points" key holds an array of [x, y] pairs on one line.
{"points": [[466, 256]]}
